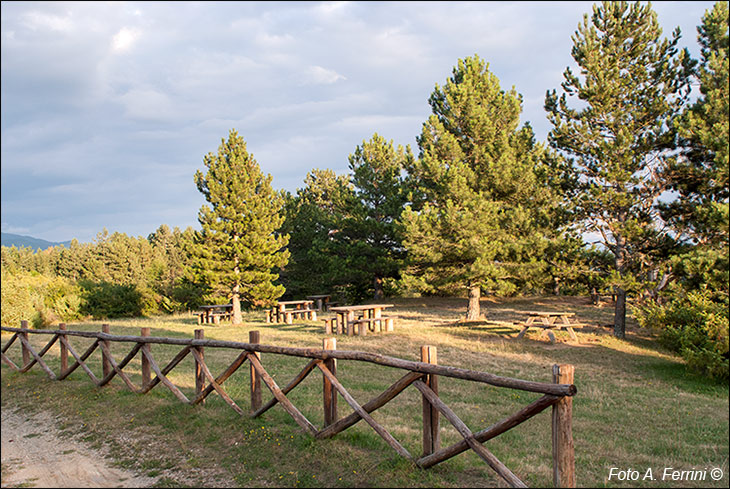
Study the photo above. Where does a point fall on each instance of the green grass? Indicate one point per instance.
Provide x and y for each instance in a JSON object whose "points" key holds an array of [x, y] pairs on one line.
{"points": [[637, 407]]}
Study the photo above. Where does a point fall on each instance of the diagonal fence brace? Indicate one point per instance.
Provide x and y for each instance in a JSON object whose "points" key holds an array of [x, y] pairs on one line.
{"points": [[363, 414], [277, 392], [465, 432], [215, 385]]}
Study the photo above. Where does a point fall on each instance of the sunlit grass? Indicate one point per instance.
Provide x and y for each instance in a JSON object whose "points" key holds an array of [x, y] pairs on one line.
{"points": [[636, 406]]}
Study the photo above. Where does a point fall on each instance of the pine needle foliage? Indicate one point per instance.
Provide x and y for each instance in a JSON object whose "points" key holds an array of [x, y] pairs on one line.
{"points": [[478, 191], [239, 249], [631, 86]]}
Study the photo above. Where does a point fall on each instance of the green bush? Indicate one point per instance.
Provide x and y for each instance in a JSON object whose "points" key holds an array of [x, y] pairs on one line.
{"points": [[694, 325], [104, 300], [38, 299]]}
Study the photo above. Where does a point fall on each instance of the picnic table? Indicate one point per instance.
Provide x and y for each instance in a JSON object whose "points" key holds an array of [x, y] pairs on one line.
{"points": [[212, 314], [368, 316], [322, 300], [287, 310], [549, 321]]}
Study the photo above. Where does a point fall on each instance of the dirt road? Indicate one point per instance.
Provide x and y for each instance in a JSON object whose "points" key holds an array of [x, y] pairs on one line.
{"points": [[34, 454]]}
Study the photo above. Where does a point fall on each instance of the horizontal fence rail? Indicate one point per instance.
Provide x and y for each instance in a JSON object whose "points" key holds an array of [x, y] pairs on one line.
{"points": [[423, 375]]}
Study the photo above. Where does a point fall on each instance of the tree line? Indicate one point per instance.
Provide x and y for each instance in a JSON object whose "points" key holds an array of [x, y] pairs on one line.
{"points": [[483, 207]]}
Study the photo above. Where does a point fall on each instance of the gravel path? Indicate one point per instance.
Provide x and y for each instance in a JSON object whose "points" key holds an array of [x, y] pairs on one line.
{"points": [[34, 454]]}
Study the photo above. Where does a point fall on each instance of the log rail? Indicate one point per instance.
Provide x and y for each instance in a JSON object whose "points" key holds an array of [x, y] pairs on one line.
{"points": [[421, 375]]}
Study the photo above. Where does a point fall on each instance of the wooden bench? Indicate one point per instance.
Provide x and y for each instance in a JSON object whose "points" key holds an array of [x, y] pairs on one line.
{"points": [[331, 326], [385, 323], [274, 315], [216, 316], [547, 329]]}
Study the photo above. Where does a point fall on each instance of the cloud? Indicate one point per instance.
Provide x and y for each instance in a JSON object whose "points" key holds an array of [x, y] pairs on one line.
{"points": [[97, 131], [319, 75], [39, 21], [125, 39]]}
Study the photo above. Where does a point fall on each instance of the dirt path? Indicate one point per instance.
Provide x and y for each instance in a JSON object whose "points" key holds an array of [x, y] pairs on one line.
{"points": [[34, 454]]}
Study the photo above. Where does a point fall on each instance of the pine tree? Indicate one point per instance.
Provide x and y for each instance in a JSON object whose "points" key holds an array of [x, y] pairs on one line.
{"points": [[371, 230], [700, 175], [313, 219], [632, 84], [238, 249], [476, 190]]}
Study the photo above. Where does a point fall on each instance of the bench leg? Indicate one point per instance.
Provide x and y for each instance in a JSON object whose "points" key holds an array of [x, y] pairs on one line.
{"points": [[389, 325], [572, 333], [364, 329], [522, 333]]}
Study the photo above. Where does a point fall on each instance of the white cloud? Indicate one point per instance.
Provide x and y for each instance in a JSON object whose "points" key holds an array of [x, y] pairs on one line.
{"points": [[148, 103], [125, 38], [329, 8], [36, 21], [319, 75]]}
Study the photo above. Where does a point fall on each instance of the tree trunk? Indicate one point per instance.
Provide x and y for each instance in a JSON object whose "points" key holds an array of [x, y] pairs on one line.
{"points": [[378, 284], [472, 310], [556, 285], [236, 318], [619, 319]]}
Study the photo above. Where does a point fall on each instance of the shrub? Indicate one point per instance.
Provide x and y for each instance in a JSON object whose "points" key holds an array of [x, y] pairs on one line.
{"points": [[694, 325], [104, 300], [39, 299]]}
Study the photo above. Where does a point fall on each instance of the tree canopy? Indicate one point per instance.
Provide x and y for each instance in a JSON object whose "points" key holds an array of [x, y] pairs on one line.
{"points": [[239, 249], [632, 86]]}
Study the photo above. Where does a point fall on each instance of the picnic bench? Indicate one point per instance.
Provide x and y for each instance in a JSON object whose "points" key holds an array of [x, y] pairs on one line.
{"points": [[321, 300], [549, 321], [212, 314], [359, 319], [287, 311]]}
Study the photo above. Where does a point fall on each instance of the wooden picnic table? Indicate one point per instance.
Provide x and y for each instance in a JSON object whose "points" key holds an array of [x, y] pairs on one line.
{"points": [[322, 300], [298, 308], [548, 321], [369, 314], [212, 314]]}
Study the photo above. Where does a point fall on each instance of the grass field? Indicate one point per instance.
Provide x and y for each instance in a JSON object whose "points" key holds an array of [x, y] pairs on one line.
{"points": [[636, 408]]}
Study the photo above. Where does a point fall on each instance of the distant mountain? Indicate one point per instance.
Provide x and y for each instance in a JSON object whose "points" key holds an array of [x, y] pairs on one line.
{"points": [[9, 239]]}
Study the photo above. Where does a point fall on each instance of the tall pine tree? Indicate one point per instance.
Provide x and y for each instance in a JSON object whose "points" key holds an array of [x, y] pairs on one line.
{"points": [[239, 249], [371, 230], [632, 84], [700, 174], [475, 190], [313, 219]]}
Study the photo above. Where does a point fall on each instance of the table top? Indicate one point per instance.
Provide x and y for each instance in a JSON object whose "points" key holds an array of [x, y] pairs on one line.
{"points": [[322, 296], [217, 306], [294, 302], [549, 313], [360, 308]]}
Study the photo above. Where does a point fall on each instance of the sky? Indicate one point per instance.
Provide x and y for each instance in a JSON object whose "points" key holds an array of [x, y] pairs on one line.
{"points": [[108, 108]]}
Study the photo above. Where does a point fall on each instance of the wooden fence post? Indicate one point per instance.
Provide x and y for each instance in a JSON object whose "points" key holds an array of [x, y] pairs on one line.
{"points": [[64, 349], [329, 392], [106, 365], [24, 334], [563, 450], [146, 368], [199, 375], [431, 437], [254, 337]]}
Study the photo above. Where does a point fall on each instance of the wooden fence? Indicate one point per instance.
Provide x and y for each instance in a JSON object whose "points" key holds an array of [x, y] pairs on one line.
{"points": [[423, 375]]}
